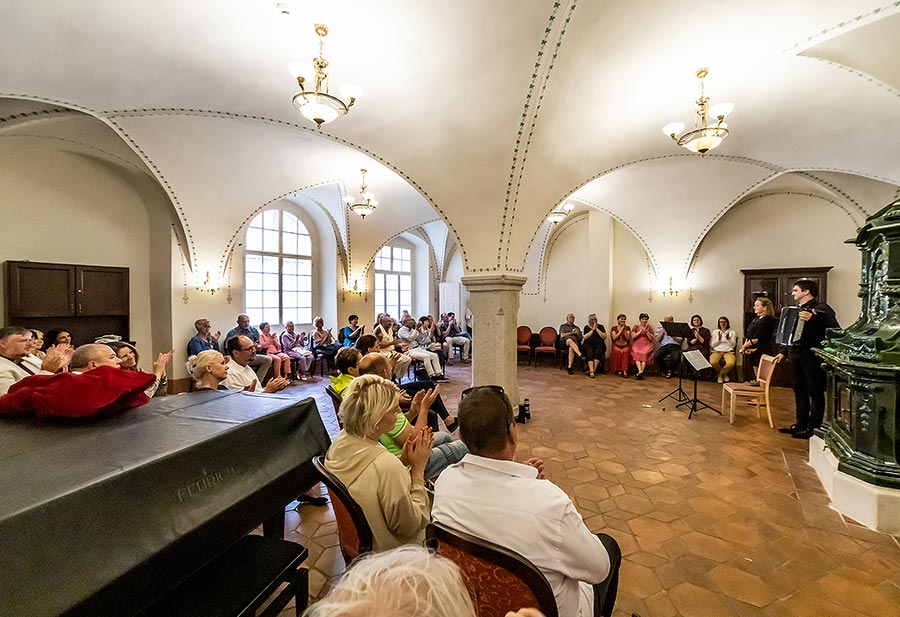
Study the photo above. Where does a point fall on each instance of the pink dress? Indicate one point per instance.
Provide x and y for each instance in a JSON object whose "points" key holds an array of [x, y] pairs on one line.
{"points": [[641, 346]]}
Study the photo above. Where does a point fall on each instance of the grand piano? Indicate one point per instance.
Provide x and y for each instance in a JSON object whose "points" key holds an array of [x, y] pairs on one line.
{"points": [[107, 516]]}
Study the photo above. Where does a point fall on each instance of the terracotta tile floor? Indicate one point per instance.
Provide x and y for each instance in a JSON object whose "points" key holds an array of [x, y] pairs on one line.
{"points": [[714, 520]]}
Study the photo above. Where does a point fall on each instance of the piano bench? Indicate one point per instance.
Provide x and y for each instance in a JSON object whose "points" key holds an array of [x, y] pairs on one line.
{"points": [[240, 580]]}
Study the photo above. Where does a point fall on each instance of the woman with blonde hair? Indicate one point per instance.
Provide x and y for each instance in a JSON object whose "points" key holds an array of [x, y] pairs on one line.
{"points": [[208, 370], [392, 498], [759, 338]]}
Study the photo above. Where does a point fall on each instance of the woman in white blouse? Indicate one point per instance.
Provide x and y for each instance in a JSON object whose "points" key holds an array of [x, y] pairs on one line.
{"points": [[722, 348]]}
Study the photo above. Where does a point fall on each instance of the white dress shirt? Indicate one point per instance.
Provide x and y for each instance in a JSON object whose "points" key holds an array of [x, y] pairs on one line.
{"points": [[239, 377], [504, 502]]}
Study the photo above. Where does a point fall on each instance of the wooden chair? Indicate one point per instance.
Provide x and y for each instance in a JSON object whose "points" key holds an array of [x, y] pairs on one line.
{"points": [[548, 338], [341, 337], [354, 533], [759, 394], [523, 342], [336, 402], [498, 579]]}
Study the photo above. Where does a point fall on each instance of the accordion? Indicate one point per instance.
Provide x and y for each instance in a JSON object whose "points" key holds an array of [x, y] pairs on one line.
{"points": [[790, 326]]}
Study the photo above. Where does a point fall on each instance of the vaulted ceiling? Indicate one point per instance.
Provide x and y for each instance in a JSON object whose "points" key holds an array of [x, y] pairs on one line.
{"points": [[483, 114]]}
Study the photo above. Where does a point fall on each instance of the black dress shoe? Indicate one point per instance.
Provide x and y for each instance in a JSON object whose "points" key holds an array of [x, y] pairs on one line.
{"points": [[802, 435], [313, 501], [793, 428]]}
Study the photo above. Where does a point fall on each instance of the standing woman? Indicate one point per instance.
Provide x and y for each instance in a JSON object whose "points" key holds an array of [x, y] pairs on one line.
{"points": [[620, 357], [642, 344], [722, 345], [593, 345], [281, 362], [759, 338]]}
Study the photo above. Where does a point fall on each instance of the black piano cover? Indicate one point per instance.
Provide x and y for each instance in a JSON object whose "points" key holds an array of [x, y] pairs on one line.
{"points": [[105, 516]]}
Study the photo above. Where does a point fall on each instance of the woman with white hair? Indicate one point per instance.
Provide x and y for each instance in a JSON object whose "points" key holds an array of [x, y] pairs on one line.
{"points": [[208, 370], [392, 497], [410, 581]]}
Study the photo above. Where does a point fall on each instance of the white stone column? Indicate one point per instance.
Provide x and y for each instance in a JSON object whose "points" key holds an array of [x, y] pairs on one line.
{"points": [[494, 301]]}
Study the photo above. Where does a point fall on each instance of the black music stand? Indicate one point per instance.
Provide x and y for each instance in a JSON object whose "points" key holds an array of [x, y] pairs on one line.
{"points": [[677, 329], [698, 363]]}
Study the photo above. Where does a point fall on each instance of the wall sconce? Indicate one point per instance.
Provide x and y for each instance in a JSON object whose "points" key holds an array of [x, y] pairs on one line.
{"points": [[356, 291], [207, 283], [671, 291]]}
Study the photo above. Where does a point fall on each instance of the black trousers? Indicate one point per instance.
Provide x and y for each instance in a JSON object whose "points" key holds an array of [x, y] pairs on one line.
{"points": [[605, 592], [808, 380], [437, 409], [668, 356]]}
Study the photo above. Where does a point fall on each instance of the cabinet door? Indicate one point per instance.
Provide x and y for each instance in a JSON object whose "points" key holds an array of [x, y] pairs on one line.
{"points": [[102, 291], [40, 290]]}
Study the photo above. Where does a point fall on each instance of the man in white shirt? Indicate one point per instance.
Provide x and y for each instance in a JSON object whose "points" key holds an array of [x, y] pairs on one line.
{"points": [[490, 496], [410, 335], [15, 347], [242, 351]]}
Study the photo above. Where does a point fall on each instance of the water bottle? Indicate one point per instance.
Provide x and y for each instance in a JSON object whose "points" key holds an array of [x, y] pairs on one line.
{"points": [[527, 409]]}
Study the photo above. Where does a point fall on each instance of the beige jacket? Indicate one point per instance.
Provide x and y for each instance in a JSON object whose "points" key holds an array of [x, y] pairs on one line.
{"points": [[396, 507]]}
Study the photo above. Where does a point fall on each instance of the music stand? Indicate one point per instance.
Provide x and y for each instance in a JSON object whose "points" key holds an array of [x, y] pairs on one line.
{"points": [[677, 329], [698, 363]]}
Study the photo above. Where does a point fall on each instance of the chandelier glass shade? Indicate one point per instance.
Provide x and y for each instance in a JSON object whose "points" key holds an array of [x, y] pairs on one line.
{"points": [[318, 105], [366, 203], [709, 130], [559, 213]]}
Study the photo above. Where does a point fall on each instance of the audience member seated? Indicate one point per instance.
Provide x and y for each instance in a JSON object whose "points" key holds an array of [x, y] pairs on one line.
{"points": [[409, 581], [570, 340], [129, 359], [393, 499], [669, 353], [593, 346], [414, 349], [722, 345], [56, 336], [377, 364], [455, 328], [294, 344], [16, 344], [620, 355], [88, 357], [490, 496], [366, 343], [209, 369], [241, 351], [452, 335], [347, 364], [700, 337], [204, 339], [260, 363], [323, 341], [759, 338], [353, 331], [37, 343], [386, 343], [270, 345], [642, 344], [430, 338]]}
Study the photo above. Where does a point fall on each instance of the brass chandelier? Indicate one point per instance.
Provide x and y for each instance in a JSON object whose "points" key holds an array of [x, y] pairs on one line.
{"points": [[318, 104], [706, 134], [366, 203]]}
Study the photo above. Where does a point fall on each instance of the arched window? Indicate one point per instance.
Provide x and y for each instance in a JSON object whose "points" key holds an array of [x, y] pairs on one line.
{"points": [[278, 269], [393, 280]]}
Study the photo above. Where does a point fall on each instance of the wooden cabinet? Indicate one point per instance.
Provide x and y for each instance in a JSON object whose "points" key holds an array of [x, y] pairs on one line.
{"points": [[89, 301], [776, 284]]}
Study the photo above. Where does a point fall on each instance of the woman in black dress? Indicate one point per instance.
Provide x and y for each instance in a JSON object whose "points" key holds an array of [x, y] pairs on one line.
{"points": [[759, 338]]}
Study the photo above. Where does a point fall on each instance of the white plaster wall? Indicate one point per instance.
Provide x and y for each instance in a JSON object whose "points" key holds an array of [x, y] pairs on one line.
{"points": [[66, 208], [777, 231]]}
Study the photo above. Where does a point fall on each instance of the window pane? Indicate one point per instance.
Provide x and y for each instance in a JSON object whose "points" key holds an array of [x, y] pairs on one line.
{"points": [[304, 245], [252, 299], [304, 283], [270, 241], [304, 299], [270, 282], [289, 222], [270, 219], [289, 283], [290, 244], [254, 280], [305, 316], [255, 315], [304, 266], [254, 239], [406, 300], [270, 315], [391, 282], [405, 282], [289, 266], [391, 300], [253, 263]]}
